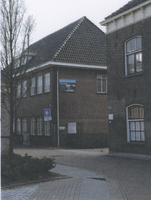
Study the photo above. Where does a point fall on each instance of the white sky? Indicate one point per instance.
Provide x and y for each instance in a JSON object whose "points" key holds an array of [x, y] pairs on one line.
{"points": [[52, 15]]}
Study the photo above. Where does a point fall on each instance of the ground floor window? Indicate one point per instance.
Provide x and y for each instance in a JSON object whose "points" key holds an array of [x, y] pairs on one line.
{"points": [[39, 126], [32, 126], [24, 125], [18, 126], [135, 123], [47, 127]]}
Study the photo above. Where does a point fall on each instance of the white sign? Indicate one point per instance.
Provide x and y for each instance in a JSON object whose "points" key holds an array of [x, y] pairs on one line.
{"points": [[110, 116], [72, 128], [61, 128]]}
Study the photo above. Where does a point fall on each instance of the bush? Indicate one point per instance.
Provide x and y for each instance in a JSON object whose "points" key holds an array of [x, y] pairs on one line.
{"points": [[15, 166]]}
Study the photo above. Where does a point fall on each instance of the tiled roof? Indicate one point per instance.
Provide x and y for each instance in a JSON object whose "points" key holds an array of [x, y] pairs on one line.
{"points": [[80, 43], [126, 7]]}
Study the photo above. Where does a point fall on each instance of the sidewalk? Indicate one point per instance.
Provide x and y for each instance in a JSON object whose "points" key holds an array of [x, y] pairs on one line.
{"points": [[79, 185]]}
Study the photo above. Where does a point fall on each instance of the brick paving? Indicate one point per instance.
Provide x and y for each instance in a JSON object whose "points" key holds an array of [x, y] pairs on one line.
{"points": [[127, 179]]}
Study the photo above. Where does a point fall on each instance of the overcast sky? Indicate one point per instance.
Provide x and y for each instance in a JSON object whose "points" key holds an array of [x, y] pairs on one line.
{"points": [[52, 15]]}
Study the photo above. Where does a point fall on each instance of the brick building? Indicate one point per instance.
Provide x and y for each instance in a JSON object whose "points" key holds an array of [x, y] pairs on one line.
{"points": [[66, 103], [129, 77]]}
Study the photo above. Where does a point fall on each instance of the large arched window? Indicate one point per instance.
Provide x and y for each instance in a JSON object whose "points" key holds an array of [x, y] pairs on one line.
{"points": [[135, 123], [133, 55]]}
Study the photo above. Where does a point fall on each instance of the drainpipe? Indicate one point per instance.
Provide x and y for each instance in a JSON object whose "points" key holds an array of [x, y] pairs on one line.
{"points": [[58, 107]]}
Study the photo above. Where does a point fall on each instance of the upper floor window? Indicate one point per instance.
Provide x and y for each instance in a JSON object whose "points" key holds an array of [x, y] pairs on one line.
{"points": [[24, 89], [47, 82], [101, 84], [18, 92], [33, 87], [39, 84], [133, 56], [135, 123]]}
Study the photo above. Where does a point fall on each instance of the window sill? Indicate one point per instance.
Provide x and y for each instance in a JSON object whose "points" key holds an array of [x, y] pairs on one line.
{"points": [[132, 75], [101, 92], [135, 143]]}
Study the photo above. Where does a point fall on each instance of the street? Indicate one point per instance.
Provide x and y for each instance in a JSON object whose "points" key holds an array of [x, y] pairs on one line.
{"points": [[126, 178]]}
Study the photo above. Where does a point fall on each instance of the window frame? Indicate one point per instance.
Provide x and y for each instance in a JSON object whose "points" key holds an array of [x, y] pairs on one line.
{"points": [[18, 91], [24, 85], [135, 121], [40, 84], [24, 125], [46, 125], [100, 79], [32, 130], [133, 53], [47, 82], [33, 87], [39, 126], [19, 126]]}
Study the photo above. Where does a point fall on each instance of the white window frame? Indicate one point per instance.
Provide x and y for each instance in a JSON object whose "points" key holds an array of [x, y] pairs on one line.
{"points": [[47, 82], [24, 88], [134, 120], [18, 92], [39, 84], [19, 126], [24, 125], [134, 52], [47, 128], [33, 87], [32, 126], [100, 79], [39, 126]]}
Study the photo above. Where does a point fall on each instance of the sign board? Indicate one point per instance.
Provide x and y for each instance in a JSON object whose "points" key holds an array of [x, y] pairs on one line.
{"points": [[72, 128], [61, 128], [110, 116], [47, 114]]}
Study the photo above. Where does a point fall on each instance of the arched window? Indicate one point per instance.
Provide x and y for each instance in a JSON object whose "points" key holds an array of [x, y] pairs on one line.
{"points": [[133, 55], [135, 123]]}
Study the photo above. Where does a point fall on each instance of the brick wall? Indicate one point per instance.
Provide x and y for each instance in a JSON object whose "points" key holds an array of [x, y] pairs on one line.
{"points": [[126, 90]]}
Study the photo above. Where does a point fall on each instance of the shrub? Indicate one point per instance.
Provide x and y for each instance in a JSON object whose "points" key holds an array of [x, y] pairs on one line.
{"points": [[16, 166]]}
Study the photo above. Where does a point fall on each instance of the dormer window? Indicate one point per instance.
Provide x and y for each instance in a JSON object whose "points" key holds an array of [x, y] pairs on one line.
{"points": [[133, 56]]}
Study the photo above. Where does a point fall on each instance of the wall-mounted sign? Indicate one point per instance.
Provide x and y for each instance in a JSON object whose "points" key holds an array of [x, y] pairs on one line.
{"points": [[47, 114], [67, 85], [110, 116], [72, 128], [61, 128]]}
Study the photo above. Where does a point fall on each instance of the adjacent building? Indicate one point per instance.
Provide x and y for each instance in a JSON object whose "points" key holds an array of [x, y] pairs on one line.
{"points": [[64, 102], [129, 77]]}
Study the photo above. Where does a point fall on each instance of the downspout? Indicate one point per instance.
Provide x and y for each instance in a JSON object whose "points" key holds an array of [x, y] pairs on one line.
{"points": [[58, 107]]}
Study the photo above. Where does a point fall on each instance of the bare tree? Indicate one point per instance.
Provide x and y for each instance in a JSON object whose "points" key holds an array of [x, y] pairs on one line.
{"points": [[15, 31]]}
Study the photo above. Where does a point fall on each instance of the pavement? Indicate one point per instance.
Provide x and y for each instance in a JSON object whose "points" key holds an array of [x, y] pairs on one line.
{"points": [[78, 185]]}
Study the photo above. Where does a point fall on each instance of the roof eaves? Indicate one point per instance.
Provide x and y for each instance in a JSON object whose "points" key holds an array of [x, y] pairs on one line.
{"points": [[68, 37]]}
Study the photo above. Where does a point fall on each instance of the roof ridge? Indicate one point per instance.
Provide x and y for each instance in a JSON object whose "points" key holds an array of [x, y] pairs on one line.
{"points": [[68, 37]]}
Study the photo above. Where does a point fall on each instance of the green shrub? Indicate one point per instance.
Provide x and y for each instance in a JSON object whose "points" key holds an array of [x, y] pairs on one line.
{"points": [[16, 166]]}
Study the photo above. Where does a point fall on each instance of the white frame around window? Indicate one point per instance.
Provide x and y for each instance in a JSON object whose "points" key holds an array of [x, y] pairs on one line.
{"points": [[101, 84], [47, 127], [133, 53], [135, 121], [39, 84], [32, 126], [19, 126], [47, 82], [18, 92], [24, 125], [39, 126], [33, 87], [24, 88]]}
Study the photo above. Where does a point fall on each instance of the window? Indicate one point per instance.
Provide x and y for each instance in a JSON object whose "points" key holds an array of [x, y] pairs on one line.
{"points": [[24, 125], [24, 89], [135, 123], [133, 56], [32, 126], [39, 84], [47, 127], [18, 93], [33, 87], [19, 126], [101, 84], [67, 85], [47, 82], [39, 126]]}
